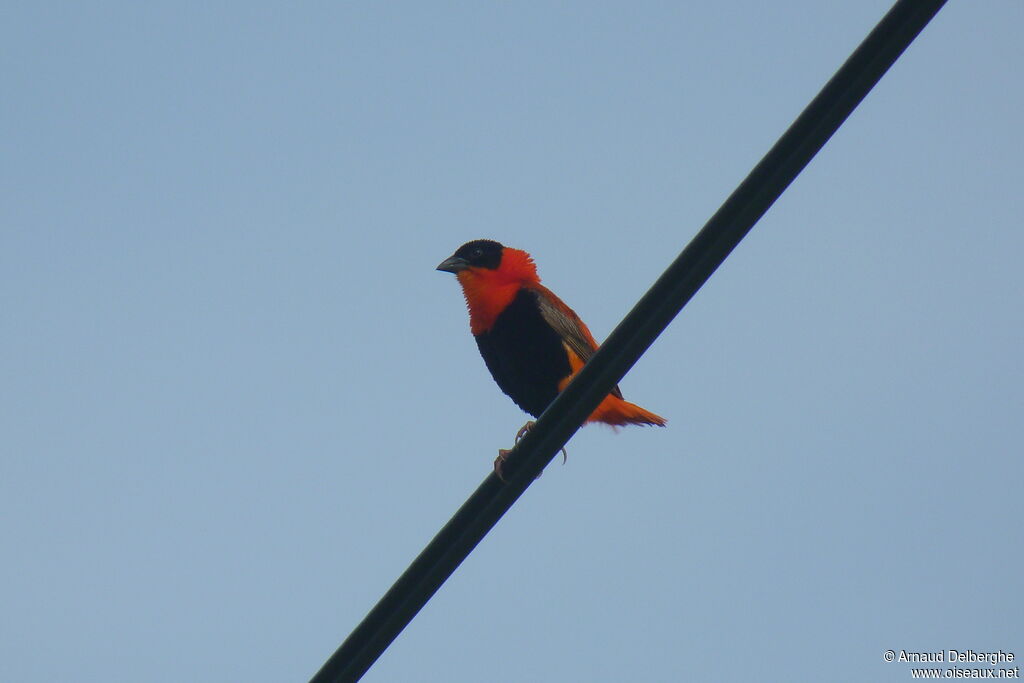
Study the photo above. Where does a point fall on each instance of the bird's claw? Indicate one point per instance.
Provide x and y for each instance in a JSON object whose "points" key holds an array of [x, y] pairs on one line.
{"points": [[527, 427], [499, 462], [524, 430]]}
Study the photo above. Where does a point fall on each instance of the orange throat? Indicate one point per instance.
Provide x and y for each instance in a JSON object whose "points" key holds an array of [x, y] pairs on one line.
{"points": [[488, 292]]}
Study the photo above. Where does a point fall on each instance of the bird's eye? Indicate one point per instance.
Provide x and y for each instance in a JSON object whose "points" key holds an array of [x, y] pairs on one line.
{"points": [[477, 253]]}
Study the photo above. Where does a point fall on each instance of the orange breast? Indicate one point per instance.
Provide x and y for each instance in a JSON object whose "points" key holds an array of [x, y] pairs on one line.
{"points": [[489, 291]]}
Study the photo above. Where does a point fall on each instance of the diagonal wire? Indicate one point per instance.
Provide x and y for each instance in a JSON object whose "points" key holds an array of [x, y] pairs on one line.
{"points": [[631, 338]]}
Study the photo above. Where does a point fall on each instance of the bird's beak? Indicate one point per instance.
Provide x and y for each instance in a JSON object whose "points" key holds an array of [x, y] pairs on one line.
{"points": [[453, 264]]}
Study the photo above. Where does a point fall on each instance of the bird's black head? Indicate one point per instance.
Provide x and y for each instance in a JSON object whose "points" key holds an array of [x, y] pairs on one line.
{"points": [[475, 254]]}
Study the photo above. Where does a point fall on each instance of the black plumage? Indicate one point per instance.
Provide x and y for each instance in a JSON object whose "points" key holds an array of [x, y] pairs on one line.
{"points": [[525, 355]]}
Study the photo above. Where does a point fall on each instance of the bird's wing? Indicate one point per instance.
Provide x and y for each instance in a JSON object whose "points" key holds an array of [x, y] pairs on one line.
{"points": [[567, 324]]}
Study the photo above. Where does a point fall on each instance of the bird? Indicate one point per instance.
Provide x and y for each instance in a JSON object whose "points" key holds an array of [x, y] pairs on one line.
{"points": [[532, 343]]}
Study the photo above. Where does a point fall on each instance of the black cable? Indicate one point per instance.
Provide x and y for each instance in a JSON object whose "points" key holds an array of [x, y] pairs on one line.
{"points": [[630, 339]]}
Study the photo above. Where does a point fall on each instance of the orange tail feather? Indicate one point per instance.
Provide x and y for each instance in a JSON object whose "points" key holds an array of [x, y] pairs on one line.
{"points": [[615, 411]]}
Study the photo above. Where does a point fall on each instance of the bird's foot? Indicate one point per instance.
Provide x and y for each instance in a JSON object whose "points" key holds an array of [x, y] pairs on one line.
{"points": [[499, 462], [524, 430], [527, 427]]}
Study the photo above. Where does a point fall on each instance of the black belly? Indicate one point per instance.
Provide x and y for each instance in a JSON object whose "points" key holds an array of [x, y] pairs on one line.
{"points": [[524, 354]]}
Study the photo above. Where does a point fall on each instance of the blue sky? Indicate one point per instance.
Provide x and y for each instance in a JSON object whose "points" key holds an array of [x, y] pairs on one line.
{"points": [[237, 399]]}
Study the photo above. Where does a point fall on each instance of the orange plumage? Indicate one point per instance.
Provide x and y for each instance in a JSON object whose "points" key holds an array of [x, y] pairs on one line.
{"points": [[531, 341]]}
